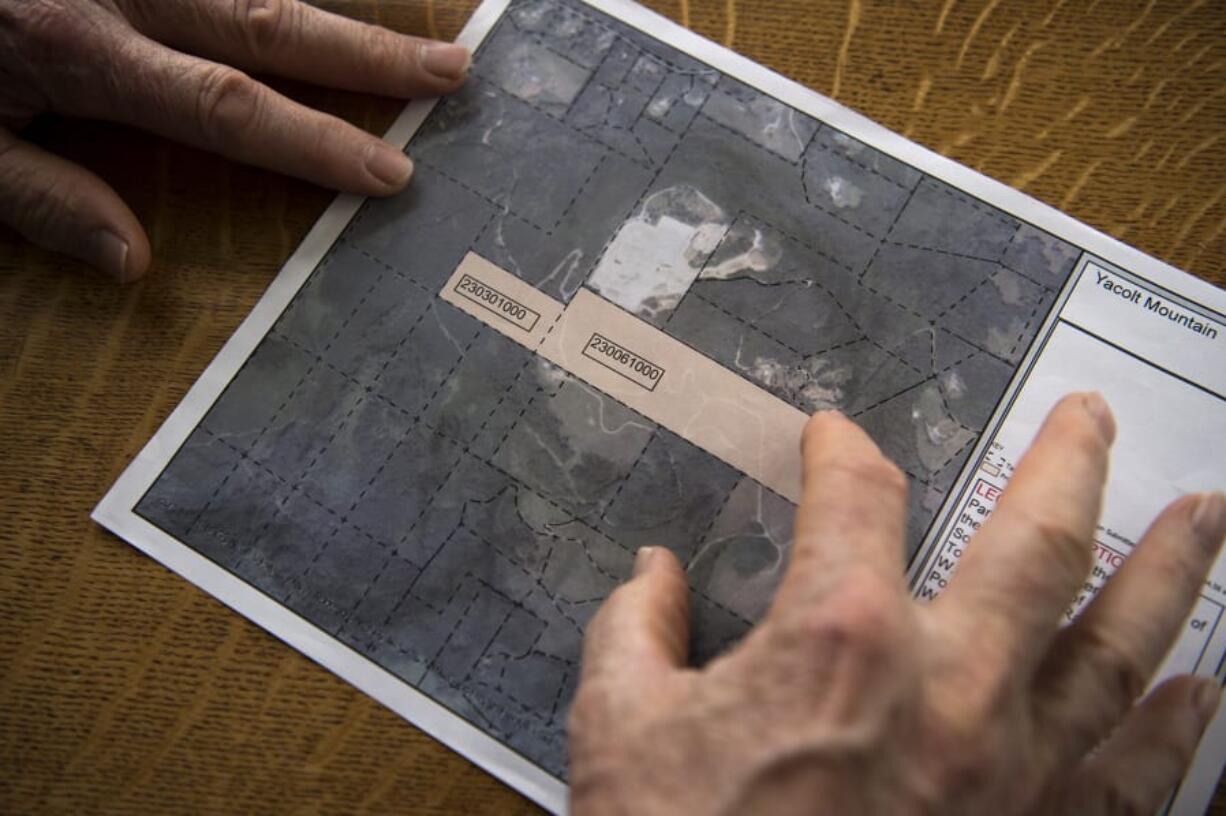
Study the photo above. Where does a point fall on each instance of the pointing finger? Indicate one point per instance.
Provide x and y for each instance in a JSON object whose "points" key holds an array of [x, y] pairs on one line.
{"points": [[1023, 567], [851, 514], [642, 629]]}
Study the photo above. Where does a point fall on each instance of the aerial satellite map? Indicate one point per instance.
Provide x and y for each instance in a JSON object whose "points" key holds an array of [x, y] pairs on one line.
{"points": [[411, 462]]}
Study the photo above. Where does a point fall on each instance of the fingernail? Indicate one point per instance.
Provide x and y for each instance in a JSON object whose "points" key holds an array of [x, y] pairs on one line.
{"points": [[388, 164], [1097, 408], [642, 560], [445, 61], [1209, 519], [110, 254], [1206, 697]]}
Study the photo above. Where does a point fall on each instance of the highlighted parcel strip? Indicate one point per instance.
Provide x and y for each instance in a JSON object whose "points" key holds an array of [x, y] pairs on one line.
{"points": [[502, 301], [663, 379], [695, 398]]}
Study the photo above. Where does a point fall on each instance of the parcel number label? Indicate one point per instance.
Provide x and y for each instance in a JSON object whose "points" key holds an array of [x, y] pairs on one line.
{"points": [[623, 361], [489, 298]]}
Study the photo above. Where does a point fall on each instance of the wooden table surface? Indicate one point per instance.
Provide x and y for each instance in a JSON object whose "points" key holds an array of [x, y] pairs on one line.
{"points": [[125, 689]]}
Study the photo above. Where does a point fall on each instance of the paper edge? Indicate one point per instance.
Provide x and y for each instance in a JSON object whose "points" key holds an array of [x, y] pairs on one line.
{"points": [[115, 510]]}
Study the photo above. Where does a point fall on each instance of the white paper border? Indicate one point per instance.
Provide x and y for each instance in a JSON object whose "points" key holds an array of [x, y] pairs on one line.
{"points": [[116, 509]]}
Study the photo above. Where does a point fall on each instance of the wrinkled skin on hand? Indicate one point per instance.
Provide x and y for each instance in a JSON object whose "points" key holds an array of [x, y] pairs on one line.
{"points": [[850, 697], [176, 68]]}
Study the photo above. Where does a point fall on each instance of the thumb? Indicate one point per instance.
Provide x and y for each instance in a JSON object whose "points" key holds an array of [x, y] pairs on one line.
{"points": [[65, 208], [643, 628]]}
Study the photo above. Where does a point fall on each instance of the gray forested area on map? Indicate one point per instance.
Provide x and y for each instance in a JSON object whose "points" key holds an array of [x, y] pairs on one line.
{"points": [[454, 507]]}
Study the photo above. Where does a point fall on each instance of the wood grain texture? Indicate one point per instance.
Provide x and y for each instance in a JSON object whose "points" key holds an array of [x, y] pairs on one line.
{"points": [[124, 689]]}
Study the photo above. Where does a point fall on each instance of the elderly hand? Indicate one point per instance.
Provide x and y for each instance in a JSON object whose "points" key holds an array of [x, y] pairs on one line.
{"points": [[165, 66], [850, 697]]}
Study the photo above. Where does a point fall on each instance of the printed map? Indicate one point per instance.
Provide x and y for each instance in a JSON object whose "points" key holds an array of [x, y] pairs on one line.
{"points": [[454, 504]]}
